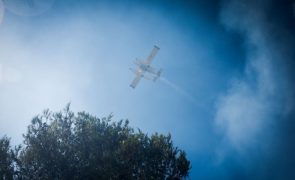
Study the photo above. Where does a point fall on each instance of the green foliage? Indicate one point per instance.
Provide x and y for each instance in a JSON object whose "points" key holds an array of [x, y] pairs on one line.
{"points": [[68, 146], [7, 159]]}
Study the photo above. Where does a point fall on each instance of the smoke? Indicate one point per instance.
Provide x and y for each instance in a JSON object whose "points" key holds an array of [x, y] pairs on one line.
{"points": [[257, 107], [181, 92]]}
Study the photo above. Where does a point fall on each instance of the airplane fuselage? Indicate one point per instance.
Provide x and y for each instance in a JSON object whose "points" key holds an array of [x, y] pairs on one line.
{"points": [[145, 67]]}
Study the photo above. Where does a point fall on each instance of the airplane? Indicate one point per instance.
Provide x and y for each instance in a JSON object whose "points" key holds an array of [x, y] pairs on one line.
{"points": [[145, 67]]}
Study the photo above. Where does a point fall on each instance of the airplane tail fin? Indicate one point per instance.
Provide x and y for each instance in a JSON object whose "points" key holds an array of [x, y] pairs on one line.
{"points": [[158, 74]]}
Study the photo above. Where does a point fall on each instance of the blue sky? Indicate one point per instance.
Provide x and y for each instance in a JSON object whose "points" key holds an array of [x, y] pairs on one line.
{"points": [[225, 87]]}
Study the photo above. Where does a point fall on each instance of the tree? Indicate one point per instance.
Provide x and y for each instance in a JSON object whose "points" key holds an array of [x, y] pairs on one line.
{"points": [[7, 159], [67, 146]]}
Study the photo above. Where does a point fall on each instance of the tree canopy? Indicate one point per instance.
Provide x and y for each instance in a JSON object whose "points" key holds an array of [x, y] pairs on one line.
{"points": [[63, 145], [6, 159]]}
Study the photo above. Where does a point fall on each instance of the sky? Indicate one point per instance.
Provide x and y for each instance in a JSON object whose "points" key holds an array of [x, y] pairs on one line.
{"points": [[226, 93]]}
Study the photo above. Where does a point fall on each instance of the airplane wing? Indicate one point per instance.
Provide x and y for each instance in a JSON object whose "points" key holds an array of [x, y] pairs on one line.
{"points": [[152, 55], [136, 79]]}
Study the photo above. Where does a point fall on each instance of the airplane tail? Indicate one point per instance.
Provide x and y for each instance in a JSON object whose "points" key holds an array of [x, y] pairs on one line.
{"points": [[158, 74]]}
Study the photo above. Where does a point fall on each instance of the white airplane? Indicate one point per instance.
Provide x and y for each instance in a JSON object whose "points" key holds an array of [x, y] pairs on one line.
{"points": [[145, 67]]}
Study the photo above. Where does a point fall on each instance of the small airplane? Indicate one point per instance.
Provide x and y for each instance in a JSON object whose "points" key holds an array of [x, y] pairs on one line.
{"points": [[145, 67]]}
